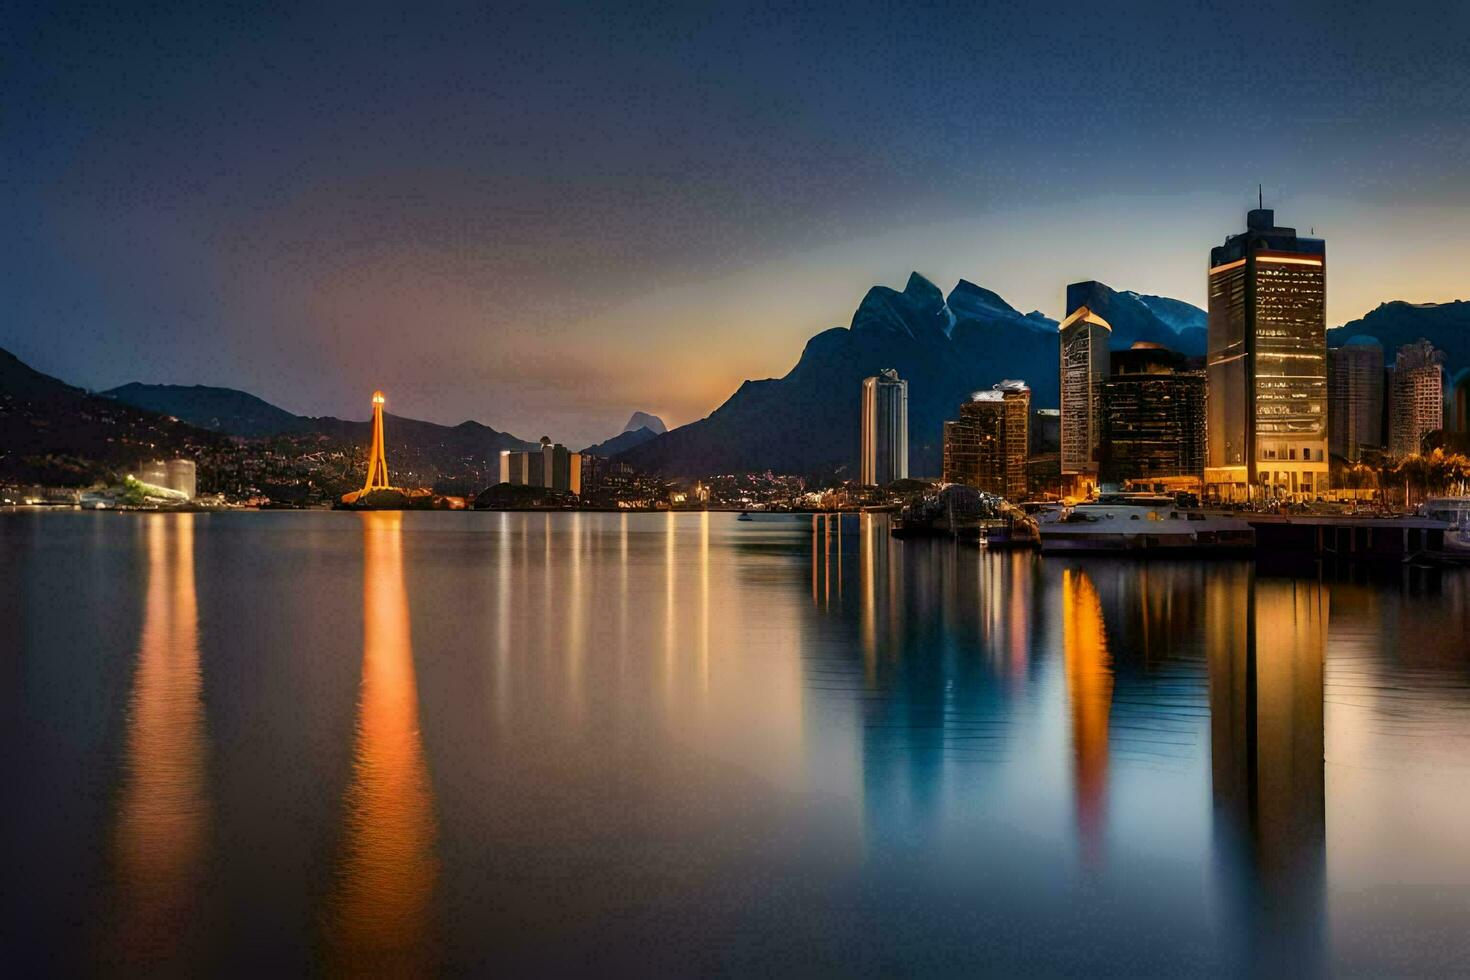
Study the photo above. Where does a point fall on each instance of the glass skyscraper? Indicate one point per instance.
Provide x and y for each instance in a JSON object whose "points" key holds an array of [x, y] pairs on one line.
{"points": [[1084, 355], [1267, 364], [885, 449]]}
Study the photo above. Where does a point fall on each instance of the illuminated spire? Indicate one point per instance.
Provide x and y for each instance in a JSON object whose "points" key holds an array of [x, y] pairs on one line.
{"points": [[377, 475]]}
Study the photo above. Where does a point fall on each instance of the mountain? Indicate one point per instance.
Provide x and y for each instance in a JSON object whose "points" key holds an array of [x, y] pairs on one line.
{"points": [[945, 347], [426, 449], [1445, 325], [623, 441], [642, 420], [1135, 318], [56, 434], [236, 413]]}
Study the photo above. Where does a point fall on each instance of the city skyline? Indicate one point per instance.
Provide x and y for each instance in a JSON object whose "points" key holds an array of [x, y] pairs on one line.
{"points": [[520, 242]]}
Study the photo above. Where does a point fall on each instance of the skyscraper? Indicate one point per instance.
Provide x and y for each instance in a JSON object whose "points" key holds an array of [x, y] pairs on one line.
{"points": [[1153, 419], [1355, 397], [1267, 363], [885, 449], [1417, 400], [986, 446], [1084, 356]]}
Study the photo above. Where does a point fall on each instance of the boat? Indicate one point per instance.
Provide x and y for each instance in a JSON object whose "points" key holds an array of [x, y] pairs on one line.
{"points": [[1455, 513], [745, 516], [1135, 523]]}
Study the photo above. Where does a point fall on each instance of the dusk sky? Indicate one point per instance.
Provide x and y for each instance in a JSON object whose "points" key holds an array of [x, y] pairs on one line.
{"points": [[547, 217]]}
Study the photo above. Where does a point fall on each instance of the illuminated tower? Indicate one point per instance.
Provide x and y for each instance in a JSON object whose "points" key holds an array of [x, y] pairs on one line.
{"points": [[885, 450], [1416, 403], [377, 475], [1267, 363], [1084, 347]]}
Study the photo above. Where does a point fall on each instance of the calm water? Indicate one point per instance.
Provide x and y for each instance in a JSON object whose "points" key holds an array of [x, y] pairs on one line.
{"points": [[655, 743]]}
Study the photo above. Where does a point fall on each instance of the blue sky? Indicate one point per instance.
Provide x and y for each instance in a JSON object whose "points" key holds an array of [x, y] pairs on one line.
{"points": [[546, 217]]}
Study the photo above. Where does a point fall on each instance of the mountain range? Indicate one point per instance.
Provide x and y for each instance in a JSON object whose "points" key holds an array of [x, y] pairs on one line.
{"points": [[804, 422], [1446, 325], [56, 434], [946, 347]]}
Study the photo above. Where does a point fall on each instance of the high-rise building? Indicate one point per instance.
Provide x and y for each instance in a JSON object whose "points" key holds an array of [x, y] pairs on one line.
{"points": [[1355, 398], [986, 446], [1417, 399], [551, 466], [885, 449], [1084, 365], [1153, 418], [1267, 363]]}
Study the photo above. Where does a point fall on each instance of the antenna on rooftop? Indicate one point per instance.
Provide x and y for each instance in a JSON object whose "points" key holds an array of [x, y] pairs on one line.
{"points": [[1260, 197]]}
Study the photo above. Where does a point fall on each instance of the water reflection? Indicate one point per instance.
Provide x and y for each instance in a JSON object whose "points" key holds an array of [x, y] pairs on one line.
{"points": [[380, 917], [1090, 691], [163, 817], [1266, 722]]}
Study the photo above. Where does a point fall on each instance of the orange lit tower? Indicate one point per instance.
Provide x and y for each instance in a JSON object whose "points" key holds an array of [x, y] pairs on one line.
{"points": [[377, 475]]}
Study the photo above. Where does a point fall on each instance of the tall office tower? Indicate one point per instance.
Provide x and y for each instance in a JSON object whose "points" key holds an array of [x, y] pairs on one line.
{"points": [[1417, 399], [986, 446], [1153, 419], [1084, 346], [885, 448], [1267, 363], [1355, 397]]}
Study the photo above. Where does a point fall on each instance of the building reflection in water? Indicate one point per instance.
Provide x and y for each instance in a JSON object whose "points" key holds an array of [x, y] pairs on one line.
{"points": [[1266, 726], [380, 919], [1090, 693], [163, 818]]}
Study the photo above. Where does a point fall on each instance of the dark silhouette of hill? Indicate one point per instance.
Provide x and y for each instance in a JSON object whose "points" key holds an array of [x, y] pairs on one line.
{"points": [[1445, 325], [60, 435], [424, 447], [945, 347], [622, 442]]}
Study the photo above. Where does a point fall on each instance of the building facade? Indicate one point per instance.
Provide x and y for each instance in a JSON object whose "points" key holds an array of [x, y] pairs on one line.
{"points": [[1084, 366], [1355, 398], [1153, 419], [986, 447], [885, 429], [173, 474], [1417, 399], [552, 466], [1267, 364]]}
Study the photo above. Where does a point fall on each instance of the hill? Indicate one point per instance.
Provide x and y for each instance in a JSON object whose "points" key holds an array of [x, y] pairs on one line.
{"points": [[427, 450], [56, 434], [945, 347], [1446, 325]]}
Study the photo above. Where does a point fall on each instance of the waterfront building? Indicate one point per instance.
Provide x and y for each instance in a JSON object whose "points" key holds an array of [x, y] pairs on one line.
{"points": [[1153, 419], [986, 447], [1084, 365], [551, 466], [1355, 398], [885, 429], [1417, 397], [173, 474], [183, 477], [1267, 363]]}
